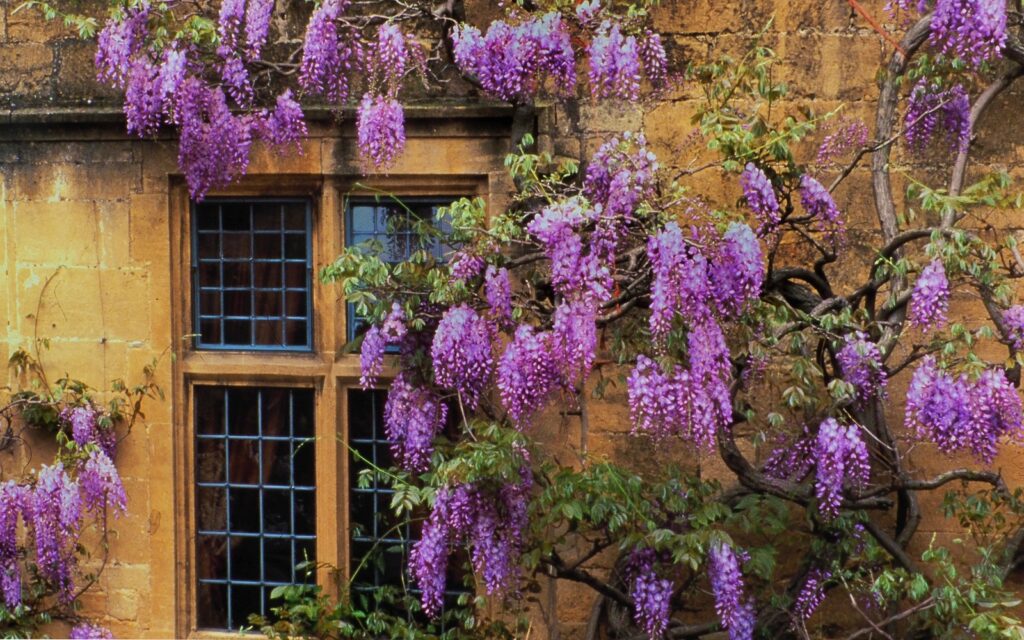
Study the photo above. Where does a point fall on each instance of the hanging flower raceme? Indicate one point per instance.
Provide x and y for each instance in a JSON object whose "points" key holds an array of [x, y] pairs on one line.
{"points": [[575, 273], [465, 265], [791, 458], [326, 57], [491, 521], [101, 484], [587, 11], [575, 340], [960, 413], [118, 43], [257, 26], [929, 301], [380, 129], [13, 503], [931, 108], [89, 631], [737, 271], [661, 405], [711, 373], [286, 124], [847, 135], [1013, 318], [680, 285], [229, 22], [498, 293], [860, 364], [972, 30], [819, 204], [622, 173], [375, 342], [461, 352], [734, 608], [214, 143], [812, 593], [842, 460], [651, 594], [55, 512], [614, 64], [412, 417], [761, 198], [511, 62], [388, 59], [527, 374]]}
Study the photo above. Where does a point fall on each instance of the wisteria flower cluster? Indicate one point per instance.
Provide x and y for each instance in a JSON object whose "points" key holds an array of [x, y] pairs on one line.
{"points": [[462, 355], [931, 108], [960, 413], [1013, 318], [849, 134], [972, 30], [498, 293], [89, 631], [651, 593], [761, 198], [929, 302], [734, 608], [490, 521], [860, 363], [375, 343], [512, 61], [412, 417], [818, 202], [812, 593], [527, 373], [842, 461]]}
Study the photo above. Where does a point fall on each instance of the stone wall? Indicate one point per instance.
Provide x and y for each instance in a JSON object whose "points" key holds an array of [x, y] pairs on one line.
{"points": [[86, 218]]}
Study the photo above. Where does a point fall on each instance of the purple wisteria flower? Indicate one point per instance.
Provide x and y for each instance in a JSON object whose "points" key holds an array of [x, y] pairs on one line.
{"points": [[818, 202], [461, 352], [326, 56], [737, 271], [734, 608], [972, 30], [587, 11], [54, 509], [465, 265], [286, 124], [812, 593], [677, 403], [412, 417], [931, 108], [614, 64], [761, 198], [961, 413], [621, 174], [491, 521], [929, 301], [498, 293], [101, 484], [512, 61], [1013, 318], [214, 143], [527, 374], [651, 594], [575, 273], [89, 631], [257, 26], [575, 340], [681, 285], [847, 135], [860, 364], [380, 128], [13, 502], [118, 42], [371, 357], [842, 460]]}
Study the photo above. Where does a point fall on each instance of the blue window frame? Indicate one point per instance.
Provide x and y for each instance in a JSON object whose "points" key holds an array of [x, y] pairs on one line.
{"points": [[389, 222], [252, 274], [255, 497]]}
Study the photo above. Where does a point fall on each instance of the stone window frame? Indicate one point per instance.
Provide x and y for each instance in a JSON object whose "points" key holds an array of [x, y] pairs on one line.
{"points": [[328, 368]]}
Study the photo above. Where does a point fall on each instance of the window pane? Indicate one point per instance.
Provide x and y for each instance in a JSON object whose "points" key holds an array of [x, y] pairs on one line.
{"points": [[391, 224], [254, 526], [251, 275]]}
